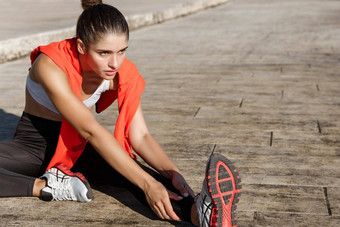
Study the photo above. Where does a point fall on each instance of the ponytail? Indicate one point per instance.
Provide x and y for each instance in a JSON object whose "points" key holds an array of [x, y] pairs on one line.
{"points": [[88, 3]]}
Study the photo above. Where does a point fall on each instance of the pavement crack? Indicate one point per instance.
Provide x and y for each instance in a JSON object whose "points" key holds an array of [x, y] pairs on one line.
{"points": [[241, 103], [271, 138], [198, 110], [218, 80], [213, 149], [319, 126], [327, 201]]}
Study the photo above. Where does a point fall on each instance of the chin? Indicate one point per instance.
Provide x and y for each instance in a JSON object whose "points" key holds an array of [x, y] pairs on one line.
{"points": [[109, 77]]}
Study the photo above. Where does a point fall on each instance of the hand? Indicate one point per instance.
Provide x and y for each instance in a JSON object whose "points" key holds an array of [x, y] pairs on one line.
{"points": [[181, 185], [158, 198]]}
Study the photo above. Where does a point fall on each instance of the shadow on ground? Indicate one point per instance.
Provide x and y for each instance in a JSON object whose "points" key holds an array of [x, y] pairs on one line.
{"points": [[127, 199], [8, 125]]}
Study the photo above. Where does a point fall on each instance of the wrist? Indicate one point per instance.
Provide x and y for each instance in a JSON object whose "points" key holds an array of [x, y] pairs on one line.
{"points": [[170, 174], [147, 183]]}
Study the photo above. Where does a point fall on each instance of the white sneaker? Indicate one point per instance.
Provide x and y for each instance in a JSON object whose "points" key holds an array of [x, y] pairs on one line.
{"points": [[221, 190], [62, 184]]}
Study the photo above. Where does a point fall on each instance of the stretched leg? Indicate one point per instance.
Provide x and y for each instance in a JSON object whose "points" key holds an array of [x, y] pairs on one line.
{"points": [[94, 167], [214, 206]]}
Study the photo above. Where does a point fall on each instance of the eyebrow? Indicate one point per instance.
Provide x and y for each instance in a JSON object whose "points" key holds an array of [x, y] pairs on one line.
{"points": [[124, 48], [103, 50]]}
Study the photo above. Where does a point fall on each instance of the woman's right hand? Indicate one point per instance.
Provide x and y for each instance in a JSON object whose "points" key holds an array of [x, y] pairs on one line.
{"points": [[158, 198]]}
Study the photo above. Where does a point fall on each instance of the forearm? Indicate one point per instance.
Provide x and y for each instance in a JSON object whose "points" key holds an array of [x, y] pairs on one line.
{"points": [[152, 153]]}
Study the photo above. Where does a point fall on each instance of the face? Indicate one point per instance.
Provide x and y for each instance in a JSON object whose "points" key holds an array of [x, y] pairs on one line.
{"points": [[105, 57]]}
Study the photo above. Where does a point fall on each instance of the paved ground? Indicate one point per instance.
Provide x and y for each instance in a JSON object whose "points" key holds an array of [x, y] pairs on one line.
{"points": [[47, 15], [255, 80], [33, 23]]}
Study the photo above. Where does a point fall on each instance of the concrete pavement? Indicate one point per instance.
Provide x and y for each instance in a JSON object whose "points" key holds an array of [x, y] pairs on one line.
{"points": [[255, 80], [27, 24]]}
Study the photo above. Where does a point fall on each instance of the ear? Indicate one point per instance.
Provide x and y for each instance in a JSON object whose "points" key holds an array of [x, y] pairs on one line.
{"points": [[81, 46]]}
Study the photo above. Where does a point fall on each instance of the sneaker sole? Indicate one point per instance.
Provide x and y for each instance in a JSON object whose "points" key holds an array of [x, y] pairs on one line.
{"points": [[61, 167], [224, 186]]}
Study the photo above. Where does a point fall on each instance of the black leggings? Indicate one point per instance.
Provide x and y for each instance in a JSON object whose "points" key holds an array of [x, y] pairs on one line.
{"points": [[27, 155]]}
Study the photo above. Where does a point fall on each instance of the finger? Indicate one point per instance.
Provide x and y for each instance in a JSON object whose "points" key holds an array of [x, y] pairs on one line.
{"points": [[174, 196], [163, 212], [157, 212], [170, 212], [183, 191], [191, 192]]}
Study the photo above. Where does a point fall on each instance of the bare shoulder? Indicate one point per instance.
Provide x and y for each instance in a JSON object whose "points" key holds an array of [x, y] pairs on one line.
{"points": [[43, 67]]}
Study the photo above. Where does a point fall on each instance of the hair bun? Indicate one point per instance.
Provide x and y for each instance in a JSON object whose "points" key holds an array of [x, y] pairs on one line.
{"points": [[89, 3]]}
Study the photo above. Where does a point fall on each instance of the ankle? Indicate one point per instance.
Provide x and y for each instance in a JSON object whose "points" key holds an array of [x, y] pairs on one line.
{"points": [[38, 185], [194, 215]]}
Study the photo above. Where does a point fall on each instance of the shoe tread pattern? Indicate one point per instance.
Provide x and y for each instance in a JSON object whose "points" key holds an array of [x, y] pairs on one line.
{"points": [[224, 183]]}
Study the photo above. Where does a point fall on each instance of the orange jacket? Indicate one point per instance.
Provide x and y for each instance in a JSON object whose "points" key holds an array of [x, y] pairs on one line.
{"points": [[130, 87]]}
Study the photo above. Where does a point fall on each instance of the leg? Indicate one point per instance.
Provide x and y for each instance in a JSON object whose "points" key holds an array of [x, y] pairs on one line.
{"points": [[22, 158], [94, 167], [26, 157], [194, 215], [39, 184], [17, 174]]}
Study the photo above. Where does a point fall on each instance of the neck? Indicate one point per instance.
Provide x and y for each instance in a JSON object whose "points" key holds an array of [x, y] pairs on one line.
{"points": [[89, 76], [83, 65]]}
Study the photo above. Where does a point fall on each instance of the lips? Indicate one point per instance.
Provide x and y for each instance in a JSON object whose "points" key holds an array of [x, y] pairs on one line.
{"points": [[110, 72]]}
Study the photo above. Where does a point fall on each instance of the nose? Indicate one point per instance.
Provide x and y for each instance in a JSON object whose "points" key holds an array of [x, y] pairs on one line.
{"points": [[113, 62]]}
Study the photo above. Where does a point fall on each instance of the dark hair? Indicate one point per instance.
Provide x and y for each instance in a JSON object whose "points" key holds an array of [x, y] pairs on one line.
{"points": [[99, 19]]}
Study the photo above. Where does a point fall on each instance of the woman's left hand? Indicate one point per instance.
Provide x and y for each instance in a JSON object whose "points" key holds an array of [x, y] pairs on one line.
{"points": [[181, 185]]}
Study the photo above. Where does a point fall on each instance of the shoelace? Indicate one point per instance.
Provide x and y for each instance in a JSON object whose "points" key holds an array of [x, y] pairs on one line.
{"points": [[206, 208], [62, 190]]}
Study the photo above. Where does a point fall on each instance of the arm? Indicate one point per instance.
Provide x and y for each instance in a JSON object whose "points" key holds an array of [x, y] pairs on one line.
{"points": [[152, 153], [56, 85]]}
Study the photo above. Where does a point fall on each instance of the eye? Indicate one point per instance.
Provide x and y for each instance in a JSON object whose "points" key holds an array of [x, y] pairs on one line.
{"points": [[103, 53], [122, 51]]}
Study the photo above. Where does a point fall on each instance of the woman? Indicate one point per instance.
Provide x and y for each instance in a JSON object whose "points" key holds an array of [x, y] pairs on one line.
{"points": [[65, 81]]}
